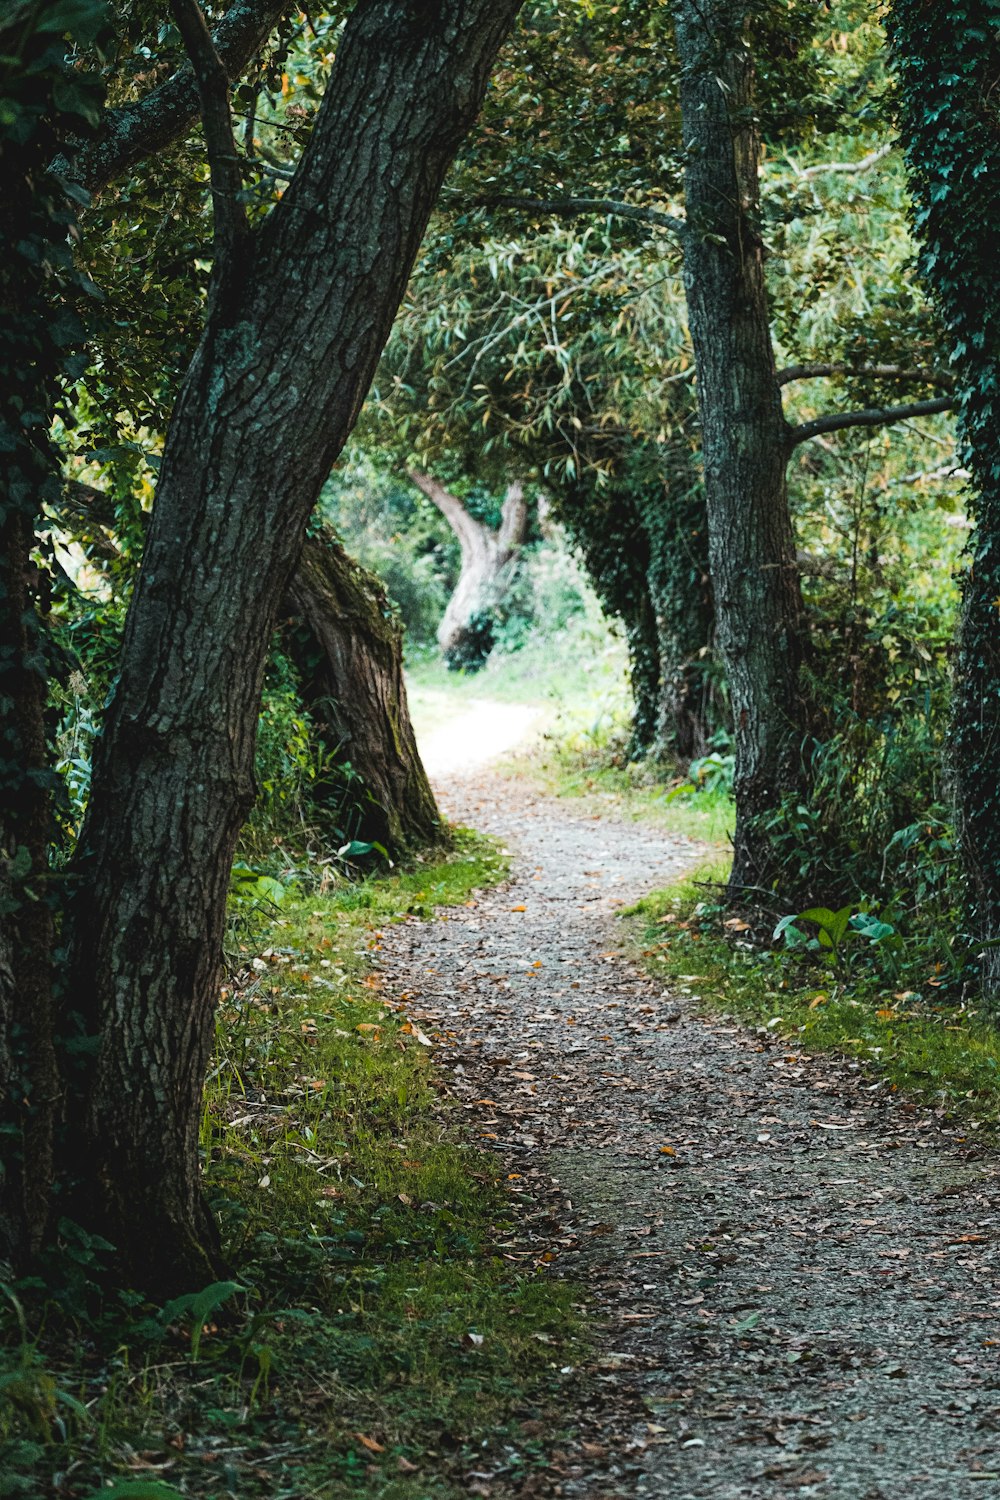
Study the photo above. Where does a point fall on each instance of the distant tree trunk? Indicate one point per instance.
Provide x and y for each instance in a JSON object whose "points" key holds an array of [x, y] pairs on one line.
{"points": [[745, 439], [687, 708], [348, 648], [300, 311], [948, 67], [641, 535], [465, 634]]}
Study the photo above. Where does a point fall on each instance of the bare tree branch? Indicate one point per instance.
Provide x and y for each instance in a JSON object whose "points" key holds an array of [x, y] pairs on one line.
{"points": [[877, 416], [573, 207], [883, 372], [228, 209], [472, 534], [134, 131], [863, 165]]}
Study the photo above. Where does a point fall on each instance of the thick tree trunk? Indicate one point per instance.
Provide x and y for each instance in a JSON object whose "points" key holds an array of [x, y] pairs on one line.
{"points": [[348, 649], [466, 633], [744, 434], [293, 335]]}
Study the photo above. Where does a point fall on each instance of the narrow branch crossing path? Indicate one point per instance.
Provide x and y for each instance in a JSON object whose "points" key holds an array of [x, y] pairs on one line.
{"points": [[795, 1274]]}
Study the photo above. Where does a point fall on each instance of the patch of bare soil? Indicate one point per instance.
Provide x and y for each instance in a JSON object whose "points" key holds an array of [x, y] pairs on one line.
{"points": [[795, 1274]]}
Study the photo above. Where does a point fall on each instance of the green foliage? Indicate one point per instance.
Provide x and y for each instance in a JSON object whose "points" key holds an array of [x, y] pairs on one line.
{"points": [[946, 69], [44, 97], [833, 930], [889, 1007], [374, 1302]]}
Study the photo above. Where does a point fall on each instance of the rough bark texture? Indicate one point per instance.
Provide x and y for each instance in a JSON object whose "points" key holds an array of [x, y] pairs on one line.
{"points": [[290, 346], [465, 634], [348, 648], [744, 434]]}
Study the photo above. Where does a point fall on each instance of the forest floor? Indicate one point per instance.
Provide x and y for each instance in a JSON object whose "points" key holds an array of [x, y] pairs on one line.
{"points": [[792, 1273]]}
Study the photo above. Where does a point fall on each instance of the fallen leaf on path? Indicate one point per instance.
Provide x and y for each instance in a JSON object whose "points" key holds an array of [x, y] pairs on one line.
{"points": [[370, 1443]]}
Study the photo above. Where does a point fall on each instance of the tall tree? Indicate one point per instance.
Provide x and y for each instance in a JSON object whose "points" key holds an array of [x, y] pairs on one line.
{"points": [[299, 308], [948, 64], [746, 440], [744, 437]]}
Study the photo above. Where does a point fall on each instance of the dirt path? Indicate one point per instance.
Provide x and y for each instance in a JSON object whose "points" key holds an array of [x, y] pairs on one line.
{"points": [[803, 1298], [479, 733]]}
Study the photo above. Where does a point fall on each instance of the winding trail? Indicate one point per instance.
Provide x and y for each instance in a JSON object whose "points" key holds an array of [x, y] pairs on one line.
{"points": [[800, 1295]]}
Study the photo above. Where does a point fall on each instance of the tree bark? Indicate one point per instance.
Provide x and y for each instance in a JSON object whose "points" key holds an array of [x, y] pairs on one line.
{"points": [[465, 634], [288, 352], [348, 648], [744, 435], [137, 130]]}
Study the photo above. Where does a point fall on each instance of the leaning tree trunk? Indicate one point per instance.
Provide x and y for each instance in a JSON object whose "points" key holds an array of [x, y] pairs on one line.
{"points": [[744, 434], [466, 632], [348, 648], [301, 311]]}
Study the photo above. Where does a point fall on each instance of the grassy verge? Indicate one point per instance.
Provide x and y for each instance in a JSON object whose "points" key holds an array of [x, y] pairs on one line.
{"points": [[584, 766], [904, 1027], [379, 1341], [577, 678]]}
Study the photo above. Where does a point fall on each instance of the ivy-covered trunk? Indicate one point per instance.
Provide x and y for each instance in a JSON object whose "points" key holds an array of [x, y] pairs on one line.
{"points": [[41, 98], [642, 538], [299, 317], [744, 435], [348, 648], [947, 59], [688, 706]]}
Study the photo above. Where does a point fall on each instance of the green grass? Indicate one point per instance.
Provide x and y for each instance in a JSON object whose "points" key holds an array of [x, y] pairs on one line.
{"points": [[580, 671], [584, 766], [903, 1027], [576, 748], [381, 1341]]}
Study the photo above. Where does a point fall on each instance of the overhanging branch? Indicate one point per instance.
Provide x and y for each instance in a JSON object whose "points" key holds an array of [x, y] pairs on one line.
{"points": [[132, 132], [876, 416], [573, 207], [878, 372], [862, 165]]}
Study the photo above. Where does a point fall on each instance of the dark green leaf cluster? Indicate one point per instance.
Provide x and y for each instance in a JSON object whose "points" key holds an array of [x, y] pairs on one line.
{"points": [[947, 61]]}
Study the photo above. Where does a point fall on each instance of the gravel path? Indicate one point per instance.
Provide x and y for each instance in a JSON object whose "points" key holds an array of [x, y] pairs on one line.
{"points": [[795, 1275]]}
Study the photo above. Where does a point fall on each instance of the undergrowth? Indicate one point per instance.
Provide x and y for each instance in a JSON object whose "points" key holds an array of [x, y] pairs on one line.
{"points": [[589, 765], [903, 1014], [375, 1339]]}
